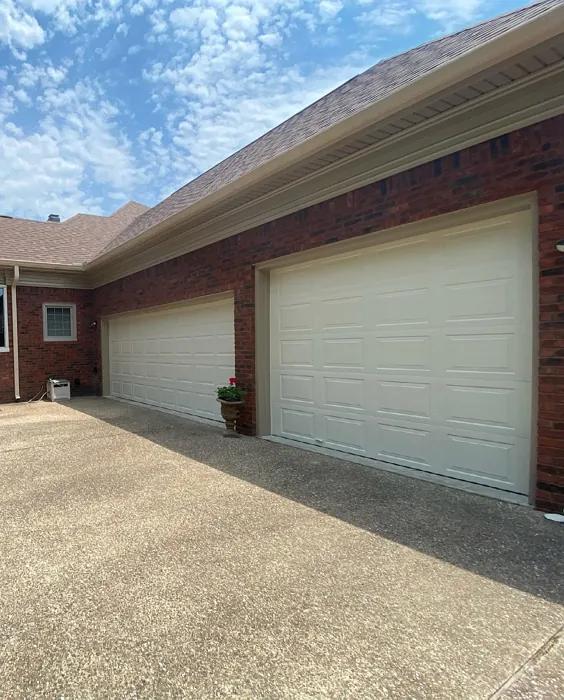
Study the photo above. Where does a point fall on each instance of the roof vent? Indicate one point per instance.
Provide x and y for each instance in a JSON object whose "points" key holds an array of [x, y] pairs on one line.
{"points": [[54, 217]]}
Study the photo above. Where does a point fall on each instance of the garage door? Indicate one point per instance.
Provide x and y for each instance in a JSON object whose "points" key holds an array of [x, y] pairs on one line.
{"points": [[173, 359], [417, 353]]}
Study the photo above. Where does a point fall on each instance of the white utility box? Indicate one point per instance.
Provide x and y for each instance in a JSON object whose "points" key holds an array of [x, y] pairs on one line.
{"points": [[58, 390]]}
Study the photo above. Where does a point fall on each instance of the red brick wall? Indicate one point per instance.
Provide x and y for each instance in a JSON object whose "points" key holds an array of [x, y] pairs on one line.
{"points": [[39, 359], [531, 159]]}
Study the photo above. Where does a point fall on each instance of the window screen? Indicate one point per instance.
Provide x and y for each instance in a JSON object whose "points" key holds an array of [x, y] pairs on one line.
{"points": [[59, 322]]}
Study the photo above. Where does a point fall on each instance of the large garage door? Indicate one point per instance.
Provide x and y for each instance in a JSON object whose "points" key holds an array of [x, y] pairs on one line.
{"points": [[173, 359], [417, 353]]}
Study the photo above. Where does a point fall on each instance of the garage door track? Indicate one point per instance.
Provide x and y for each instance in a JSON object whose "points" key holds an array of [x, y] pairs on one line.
{"points": [[143, 556]]}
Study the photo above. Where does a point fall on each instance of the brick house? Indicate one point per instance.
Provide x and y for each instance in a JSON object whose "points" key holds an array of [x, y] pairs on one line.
{"points": [[381, 271]]}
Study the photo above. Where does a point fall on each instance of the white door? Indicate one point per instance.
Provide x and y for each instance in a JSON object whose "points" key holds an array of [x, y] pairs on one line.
{"points": [[417, 353], [173, 359]]}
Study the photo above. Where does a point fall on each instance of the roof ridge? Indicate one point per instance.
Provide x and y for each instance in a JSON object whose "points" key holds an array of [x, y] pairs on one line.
{"points": [[131, 201]]}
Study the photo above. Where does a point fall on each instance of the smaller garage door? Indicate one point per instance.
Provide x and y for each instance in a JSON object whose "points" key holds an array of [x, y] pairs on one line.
{"points": [[173, 359]]}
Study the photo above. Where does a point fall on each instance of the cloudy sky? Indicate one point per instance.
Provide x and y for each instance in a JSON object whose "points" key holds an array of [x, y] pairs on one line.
{"points": [[102, 101]]}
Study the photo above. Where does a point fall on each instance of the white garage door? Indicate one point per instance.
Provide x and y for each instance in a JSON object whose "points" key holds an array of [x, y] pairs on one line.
{"points": [[417, 353], [173, 359]]}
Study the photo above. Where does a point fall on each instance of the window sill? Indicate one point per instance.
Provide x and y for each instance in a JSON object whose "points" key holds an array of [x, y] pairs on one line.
{"points": [[59, 340]]}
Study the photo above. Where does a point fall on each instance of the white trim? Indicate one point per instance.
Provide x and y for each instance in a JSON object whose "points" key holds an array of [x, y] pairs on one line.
{"points": [[520, 104], [60, 267], [515, 41], [467, 486], [6, 346], [15, 338], [60, 305]]}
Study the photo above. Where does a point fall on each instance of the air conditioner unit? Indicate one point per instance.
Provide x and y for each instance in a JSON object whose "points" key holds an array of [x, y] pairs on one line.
{"points": [[58, 390]]}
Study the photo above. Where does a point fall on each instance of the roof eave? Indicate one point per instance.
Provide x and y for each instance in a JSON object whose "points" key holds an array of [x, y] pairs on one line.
{"points": [[498, 49]]}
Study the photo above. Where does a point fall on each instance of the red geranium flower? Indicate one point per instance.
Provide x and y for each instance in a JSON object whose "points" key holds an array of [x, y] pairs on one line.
{"points": [[232, 380]]}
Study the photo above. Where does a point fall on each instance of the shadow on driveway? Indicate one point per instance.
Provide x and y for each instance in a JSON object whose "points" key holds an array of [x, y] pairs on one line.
{"points": [[511, 544]]}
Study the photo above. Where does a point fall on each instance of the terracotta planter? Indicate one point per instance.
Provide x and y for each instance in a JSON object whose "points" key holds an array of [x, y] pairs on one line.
{"points": [[230, 413]]}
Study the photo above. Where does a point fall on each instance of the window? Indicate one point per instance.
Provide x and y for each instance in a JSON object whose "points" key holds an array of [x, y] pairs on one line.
{"points": [[59, 321], [3, 319]]}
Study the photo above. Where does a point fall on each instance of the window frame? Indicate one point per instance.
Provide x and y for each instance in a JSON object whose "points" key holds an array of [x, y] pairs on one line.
{"points": [[4, 303], [60, 305]]}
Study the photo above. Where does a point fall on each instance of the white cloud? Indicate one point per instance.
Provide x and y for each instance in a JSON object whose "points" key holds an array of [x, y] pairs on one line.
{"points": [[18, 28], [75, 148], [215, 75], [329, 9], [22, 96], [453, 13], [226, 81], [395, 16], [271, 39]]}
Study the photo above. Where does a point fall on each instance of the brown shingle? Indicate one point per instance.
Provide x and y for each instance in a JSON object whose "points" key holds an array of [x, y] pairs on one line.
{"points": [[72, 241]]}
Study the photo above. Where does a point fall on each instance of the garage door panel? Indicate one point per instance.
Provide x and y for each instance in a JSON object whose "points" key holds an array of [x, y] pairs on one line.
{"points": [[404, 307], [174, 359], [407, 446], [401, 399], [480, 301], [343, 353], [341, 314], [184, 399], [153, 394], [343, 275], [297, 423], [344, 393], [476, 244], [297, 388], [296, 353], [499, 353], [166, 346], [483, 458], [401, 260], [483, 353], [348, 434], [403, 354], [297, 317], [414, 351], [295, 283], [486, 408], [168, 397]]}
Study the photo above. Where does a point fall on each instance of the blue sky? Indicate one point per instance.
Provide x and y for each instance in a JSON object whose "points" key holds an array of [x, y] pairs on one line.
{"points": [[104, 101]]}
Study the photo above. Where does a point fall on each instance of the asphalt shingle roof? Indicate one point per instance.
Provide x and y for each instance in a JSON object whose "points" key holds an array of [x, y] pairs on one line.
{"points": [[83, 237], [75, 240]]}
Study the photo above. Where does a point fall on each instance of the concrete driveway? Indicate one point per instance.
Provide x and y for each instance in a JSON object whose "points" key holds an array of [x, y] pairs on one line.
{"points": [[143, 556]]}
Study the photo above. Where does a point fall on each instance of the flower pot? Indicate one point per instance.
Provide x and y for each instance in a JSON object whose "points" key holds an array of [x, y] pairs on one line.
{"points": [[230, 413]]}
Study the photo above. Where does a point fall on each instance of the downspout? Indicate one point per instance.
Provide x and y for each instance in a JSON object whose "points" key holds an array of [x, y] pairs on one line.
{"points": [[15, 332]]}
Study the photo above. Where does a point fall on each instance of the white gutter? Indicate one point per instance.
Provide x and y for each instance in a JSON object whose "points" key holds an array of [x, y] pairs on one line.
{"points": [[536, 31], [61, 267], [15, 345]]}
